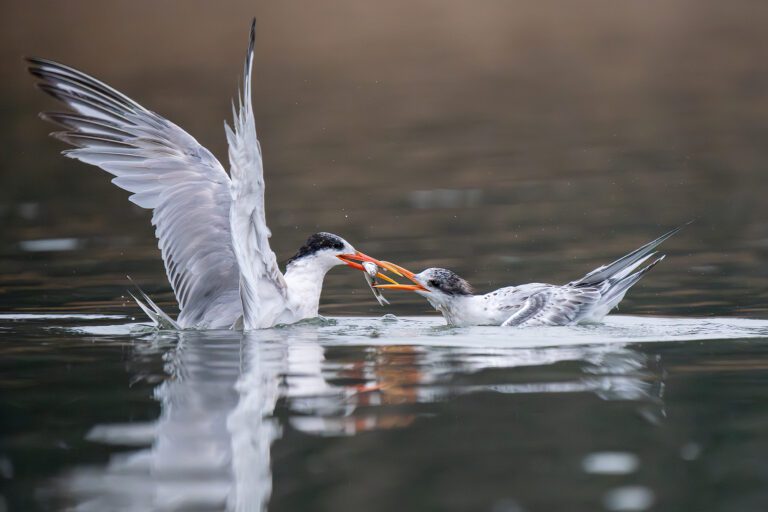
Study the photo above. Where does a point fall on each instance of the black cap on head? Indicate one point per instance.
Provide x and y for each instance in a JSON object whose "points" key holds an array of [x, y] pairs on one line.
{"points": [[318, 242]]}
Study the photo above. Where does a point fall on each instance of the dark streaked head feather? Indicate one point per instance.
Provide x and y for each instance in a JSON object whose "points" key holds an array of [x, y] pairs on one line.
{"points": [[448, 282], [317, 242]]}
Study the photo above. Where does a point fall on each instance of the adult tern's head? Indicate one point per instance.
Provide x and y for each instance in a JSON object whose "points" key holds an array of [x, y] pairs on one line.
{"points": [[323, 249], [326, 250]]}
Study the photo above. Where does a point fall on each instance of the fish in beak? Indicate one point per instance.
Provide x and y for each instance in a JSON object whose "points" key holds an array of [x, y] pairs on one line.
{"points": [[402, 272], [371, 271], [371, 268], [359, 260]]}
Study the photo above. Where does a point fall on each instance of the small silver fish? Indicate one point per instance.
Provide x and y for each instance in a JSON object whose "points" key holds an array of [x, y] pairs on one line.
{"points": [[371, 270]]}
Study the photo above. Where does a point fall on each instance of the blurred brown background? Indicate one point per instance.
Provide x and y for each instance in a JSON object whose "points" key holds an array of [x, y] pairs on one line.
{"points": [[509, 141]]}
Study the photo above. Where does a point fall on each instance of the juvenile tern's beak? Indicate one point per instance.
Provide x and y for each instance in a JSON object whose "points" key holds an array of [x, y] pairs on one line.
{"points": [[403, 272], [409, 287], [355, 260]]}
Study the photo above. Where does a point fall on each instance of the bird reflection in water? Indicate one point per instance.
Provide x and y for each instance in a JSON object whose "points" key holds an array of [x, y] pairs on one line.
{"points": [[210, 447]]}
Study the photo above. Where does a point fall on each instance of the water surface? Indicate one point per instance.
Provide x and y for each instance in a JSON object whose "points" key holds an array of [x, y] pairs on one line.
{"points": [[641, 413]]}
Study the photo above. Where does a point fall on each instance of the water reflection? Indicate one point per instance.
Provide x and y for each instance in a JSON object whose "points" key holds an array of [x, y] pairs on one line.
{"points": [[211, 446]]}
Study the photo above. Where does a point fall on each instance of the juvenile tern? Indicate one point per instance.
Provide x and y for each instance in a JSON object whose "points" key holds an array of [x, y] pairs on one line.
{"points": [[211, 227], [586, 300]]}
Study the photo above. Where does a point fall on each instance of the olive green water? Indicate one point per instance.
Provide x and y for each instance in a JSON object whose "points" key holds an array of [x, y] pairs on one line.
{"points": [[509, 142]]}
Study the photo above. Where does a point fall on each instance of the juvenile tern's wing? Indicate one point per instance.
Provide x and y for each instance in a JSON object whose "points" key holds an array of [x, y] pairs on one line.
{"points": [[168, 172], [627, 263], [558, 305], [262, 288]]}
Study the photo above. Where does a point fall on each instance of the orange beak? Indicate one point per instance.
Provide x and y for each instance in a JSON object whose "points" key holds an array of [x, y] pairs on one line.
{"points": [[403, 272], [353, 260]]}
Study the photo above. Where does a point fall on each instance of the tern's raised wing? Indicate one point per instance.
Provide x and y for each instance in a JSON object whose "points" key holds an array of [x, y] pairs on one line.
{"points": [[558, 305], [262, 288], [168, 172]]}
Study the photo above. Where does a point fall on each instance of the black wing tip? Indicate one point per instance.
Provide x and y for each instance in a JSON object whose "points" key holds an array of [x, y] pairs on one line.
{"points": [[34, 61], [52, 90], [248, 64], [48, 89], [36, 65], [252, 36], [79, 139], [36, 71], [648, 267]]}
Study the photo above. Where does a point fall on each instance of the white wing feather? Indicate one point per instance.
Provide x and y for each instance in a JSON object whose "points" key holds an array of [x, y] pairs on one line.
{"points": [[168, 172], [262, 287]]}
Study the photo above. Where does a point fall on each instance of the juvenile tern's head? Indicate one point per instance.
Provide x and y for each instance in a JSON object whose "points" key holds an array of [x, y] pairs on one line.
{"points": [[439, 285], [441, 281]]}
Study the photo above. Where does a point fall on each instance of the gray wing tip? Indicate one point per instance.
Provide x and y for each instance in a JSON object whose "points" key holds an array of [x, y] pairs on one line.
{"points": [[677, 229], [630, 260], [152, 310]]}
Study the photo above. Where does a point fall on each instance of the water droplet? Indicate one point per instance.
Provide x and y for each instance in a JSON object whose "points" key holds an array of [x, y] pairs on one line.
{"points": [[610, 463], [629, 498], [690, 451]]}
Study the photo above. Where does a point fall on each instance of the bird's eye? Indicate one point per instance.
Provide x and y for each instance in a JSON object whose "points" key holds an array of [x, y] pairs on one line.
{"points": [[433, 283]]}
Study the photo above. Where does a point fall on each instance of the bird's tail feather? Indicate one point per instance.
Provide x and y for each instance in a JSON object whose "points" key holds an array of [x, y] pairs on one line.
{"points": [[626, 264], [158, 316], [618, 287]]}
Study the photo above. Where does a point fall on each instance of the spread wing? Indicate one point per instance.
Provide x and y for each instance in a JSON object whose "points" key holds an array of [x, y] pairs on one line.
{"points": [[558, 305], [262, 288], [168, 172]]}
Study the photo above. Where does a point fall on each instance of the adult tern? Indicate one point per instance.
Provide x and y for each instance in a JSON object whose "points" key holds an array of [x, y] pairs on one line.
{"points": [[586, 300], [211, 227]]}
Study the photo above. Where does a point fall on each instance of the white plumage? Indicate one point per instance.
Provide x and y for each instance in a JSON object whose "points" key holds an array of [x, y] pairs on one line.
{"points": [[211, 230]]}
